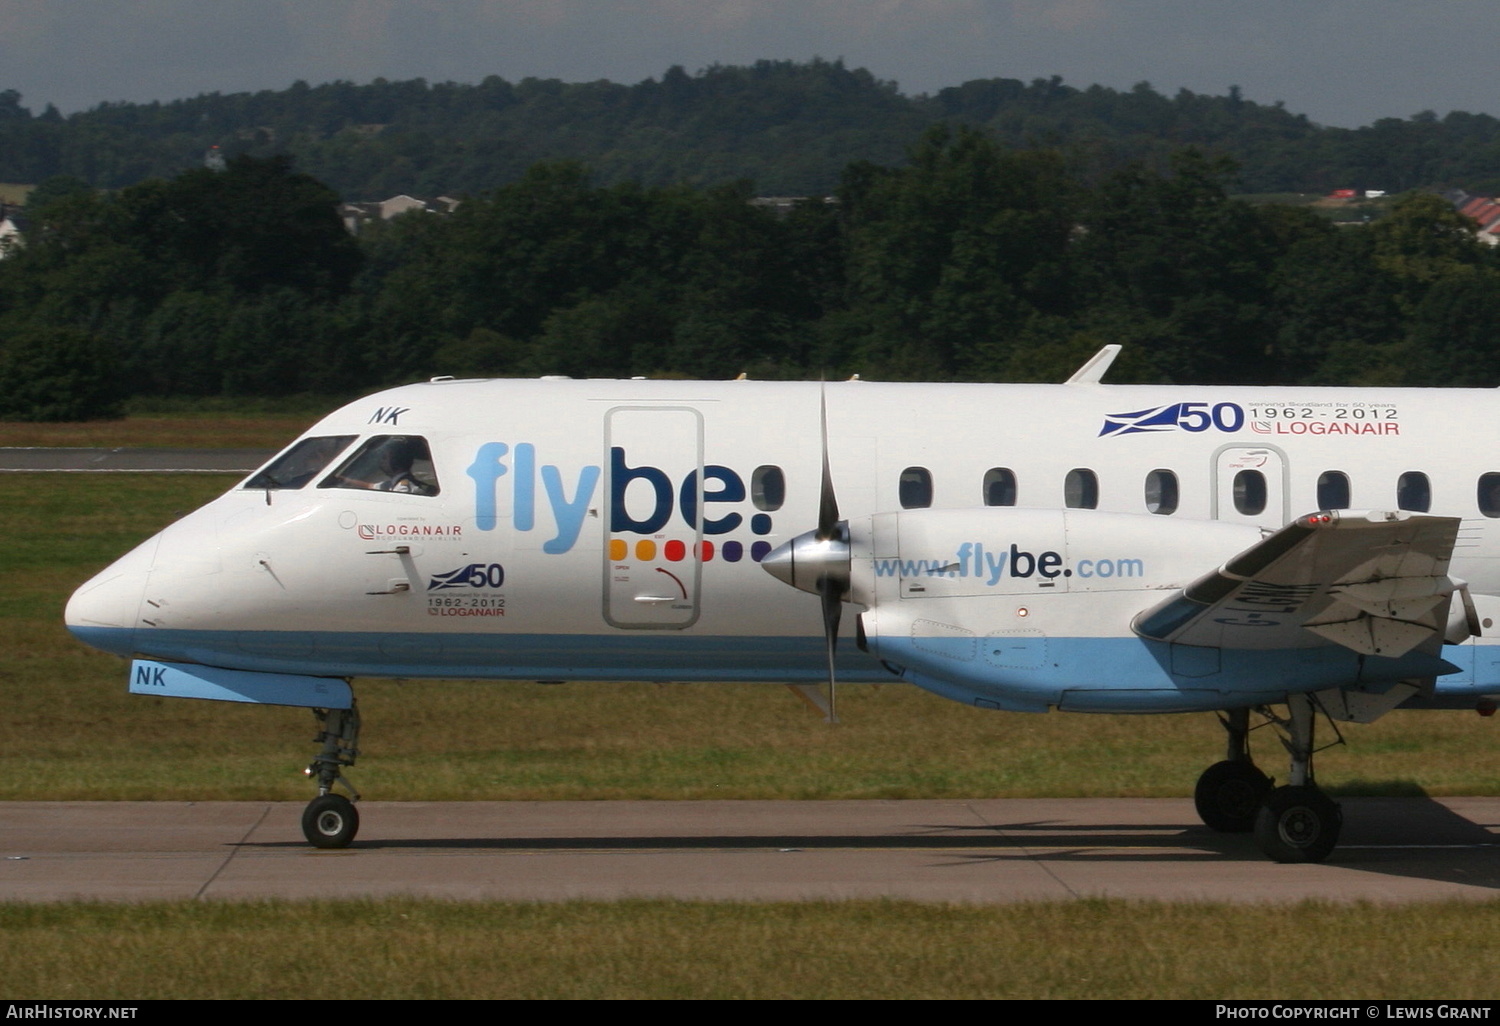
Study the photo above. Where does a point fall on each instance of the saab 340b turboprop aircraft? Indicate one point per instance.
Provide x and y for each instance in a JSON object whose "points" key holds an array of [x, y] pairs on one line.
{"points": [[1292, 553]]}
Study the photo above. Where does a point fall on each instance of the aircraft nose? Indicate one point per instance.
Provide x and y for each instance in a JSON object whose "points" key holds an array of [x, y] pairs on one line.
{"points": [[105, 610]]}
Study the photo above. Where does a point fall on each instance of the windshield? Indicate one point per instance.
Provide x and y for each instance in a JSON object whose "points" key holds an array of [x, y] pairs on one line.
{"points": [[388, 463], [301, 463]]}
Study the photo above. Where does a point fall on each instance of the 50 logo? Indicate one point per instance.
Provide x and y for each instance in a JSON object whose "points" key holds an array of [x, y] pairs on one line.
{"points": [[475, 575], [1227, 417]]}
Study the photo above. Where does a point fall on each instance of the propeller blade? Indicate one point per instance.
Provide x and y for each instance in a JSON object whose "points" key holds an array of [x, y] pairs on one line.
{"points": [[830, 588], [828, 503], [831, 593], [819, 561]]}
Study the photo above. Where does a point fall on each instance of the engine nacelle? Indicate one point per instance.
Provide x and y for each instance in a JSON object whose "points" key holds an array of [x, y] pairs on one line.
{"points": [[1004, 606], [934, 554]]}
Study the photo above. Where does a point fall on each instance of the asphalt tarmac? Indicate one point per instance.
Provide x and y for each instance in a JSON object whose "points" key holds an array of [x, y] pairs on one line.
{"points": [[990, 851]]}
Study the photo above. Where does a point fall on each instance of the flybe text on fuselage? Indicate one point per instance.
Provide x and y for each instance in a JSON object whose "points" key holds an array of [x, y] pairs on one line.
{"points": [[566, 495]]}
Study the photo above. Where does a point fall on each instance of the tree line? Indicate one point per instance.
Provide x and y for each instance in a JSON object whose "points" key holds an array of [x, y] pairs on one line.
{"points": [[790, 127], [967, 260]]}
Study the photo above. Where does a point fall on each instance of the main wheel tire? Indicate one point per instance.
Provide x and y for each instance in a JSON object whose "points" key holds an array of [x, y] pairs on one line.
{"points": [[1298, 824], [330, 821], [1229, 796]]}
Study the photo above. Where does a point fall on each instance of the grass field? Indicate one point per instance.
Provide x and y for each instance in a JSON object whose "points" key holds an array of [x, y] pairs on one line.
{"points": [[71, 731], [247, 431], [399, 949]]}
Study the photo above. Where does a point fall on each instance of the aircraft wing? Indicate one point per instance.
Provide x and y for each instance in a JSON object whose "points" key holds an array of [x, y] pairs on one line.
{"points": [[1376, 583]]}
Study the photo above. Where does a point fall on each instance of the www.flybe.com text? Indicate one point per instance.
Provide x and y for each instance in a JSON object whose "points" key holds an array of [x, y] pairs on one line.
{"points": [[975, 560]]}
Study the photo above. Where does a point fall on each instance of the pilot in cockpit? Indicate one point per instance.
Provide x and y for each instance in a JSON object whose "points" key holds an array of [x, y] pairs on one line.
{"points": [[387, 465]]}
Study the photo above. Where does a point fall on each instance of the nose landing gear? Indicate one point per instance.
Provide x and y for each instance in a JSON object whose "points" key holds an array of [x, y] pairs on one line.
{"points": [[331, 820]]}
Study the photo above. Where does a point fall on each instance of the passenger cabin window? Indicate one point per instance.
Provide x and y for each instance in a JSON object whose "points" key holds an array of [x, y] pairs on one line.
{"points": [[1413, 492], [1333, 490], [1161, 492], [1081, 489], [768, 488], [999, 487], [1489, 494], [916, 488], [301, 463], [387, 463], [1250, 492]]}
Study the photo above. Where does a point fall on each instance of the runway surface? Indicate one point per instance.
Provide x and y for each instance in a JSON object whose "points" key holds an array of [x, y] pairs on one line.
{"points": [[1393, 850]]}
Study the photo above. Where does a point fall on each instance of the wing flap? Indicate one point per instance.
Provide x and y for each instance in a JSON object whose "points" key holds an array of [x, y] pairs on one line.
{"points": [[1370, 635], [1373, 582]]}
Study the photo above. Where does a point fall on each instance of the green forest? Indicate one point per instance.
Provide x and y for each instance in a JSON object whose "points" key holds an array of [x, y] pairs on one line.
{"points": [[791, 128], [961, 256]]}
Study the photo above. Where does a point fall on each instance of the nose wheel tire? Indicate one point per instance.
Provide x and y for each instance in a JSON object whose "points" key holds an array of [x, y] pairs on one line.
{"points": [[330, 821], [1298, 824], [1229, 796]]}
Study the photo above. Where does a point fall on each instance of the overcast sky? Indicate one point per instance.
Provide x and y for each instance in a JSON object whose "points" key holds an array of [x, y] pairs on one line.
{"points": [[1340, 62]]}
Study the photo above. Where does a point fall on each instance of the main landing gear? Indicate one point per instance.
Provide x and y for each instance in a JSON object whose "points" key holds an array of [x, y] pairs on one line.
{"points": [[331, 820], [1294, 823], [1229, 793], [1298, 822]]}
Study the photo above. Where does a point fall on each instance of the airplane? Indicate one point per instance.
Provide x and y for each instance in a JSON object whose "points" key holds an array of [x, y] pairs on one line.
{"points": [[1279, 555]]}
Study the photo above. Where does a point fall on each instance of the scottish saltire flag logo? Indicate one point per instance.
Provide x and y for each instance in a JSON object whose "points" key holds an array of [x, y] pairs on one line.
{"points": [[1157, 418], [1194, 417], [475, 575]]}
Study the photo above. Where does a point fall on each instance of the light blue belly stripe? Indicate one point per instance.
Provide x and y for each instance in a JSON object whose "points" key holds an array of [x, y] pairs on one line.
{"points": [[650, 656], [169, 680], [1082, 674]]}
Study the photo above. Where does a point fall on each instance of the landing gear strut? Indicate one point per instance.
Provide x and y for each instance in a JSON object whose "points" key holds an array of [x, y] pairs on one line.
{"points": [[1229, 793], [1298, 822], [331, 820]]}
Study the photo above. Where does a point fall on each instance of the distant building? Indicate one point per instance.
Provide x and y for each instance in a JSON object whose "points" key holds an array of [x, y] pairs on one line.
{"points": [[357, 215], [1483, 209], [12, 227], [782, 205]]}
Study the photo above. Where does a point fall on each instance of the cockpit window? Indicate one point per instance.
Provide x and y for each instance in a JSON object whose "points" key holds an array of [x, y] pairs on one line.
{"points": [[388, 463], [301, 463]]}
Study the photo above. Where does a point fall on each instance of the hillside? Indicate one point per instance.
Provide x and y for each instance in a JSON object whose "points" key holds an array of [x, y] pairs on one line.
{"points": [[790, 128]]}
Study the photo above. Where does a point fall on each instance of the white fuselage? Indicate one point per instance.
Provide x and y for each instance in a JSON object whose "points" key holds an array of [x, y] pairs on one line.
{"points": [[611, 529]]}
